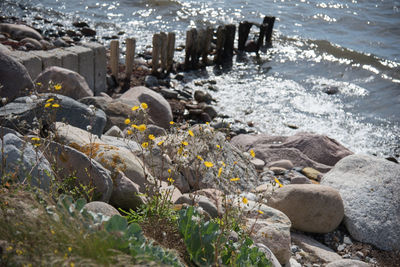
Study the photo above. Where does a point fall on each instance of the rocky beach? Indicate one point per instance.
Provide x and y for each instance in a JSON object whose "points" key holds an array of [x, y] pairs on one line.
{"points": [[305, 199]]}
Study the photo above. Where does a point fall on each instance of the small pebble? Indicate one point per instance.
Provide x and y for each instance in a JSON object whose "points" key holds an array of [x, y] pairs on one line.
{"points": [[341, 247], [347, 240]]}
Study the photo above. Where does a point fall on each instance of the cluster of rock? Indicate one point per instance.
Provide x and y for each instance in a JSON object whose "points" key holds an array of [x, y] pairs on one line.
{"points": [[320, 183]]}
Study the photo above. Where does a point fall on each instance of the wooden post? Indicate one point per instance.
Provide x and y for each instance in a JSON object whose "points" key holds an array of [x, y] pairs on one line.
{"points": [[268, 34], [230, 31], [244, 30], [163, 41], [130, 56], [156, 53], [114, 58], [188, 48], [191, 58], [207, 45], [263, 31], [170, 50], [220, 45]]}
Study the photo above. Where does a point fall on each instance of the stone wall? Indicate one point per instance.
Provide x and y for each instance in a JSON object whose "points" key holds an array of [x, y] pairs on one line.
{"points": [[89, 60]]}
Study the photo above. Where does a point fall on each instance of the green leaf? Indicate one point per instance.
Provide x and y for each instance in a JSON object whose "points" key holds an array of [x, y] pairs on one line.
{"points": [[116, 223]]}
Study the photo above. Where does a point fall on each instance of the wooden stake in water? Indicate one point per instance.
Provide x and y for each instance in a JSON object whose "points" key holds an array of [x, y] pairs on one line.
{"points": [[268, 34], [170, 50], [207, 44], [230, 31], [114, 58], [130, 56], [218, 58], [191, 58], [156, 52], [163, 52], [244, 30]]}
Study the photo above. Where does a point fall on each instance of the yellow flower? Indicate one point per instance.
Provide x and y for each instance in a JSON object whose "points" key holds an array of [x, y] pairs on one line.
{"points": [[49, 100], [200, 158], [151, 137], [35, 139], [170, 180], [72, 264], [218, 146], [134, 108], [252, 153], [160, 143], [52, 232], [261, 212], [142, 127], [279, 183], [128, 132], [244, 200], [145, 144], [191, 133], [185, 143], [234, 179], [39, 84], [235, 162], [180, 150], [47, 105], [57, 86], [223, 163], [18, 251], [169, 171], [134, 126], [9, 248], [55, 105], [55, 251], [219, 172], [69, 249], [143, 105], [171, 122], [208, 164], [127, 121], [207, 123]]}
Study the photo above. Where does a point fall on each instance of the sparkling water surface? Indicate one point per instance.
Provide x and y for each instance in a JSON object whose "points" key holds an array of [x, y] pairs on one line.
{"points": [[349, 45]]}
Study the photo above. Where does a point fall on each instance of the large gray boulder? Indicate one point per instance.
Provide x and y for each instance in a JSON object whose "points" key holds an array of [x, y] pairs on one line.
{"points": [[19, 31], [73, 84], [268, 154], [159, 109], [71, 162], [116, 111], [24, 112], [190, 160], [269, 227], [319, 148], [310, 208], [24, 163], [126, 194], [370, 190], [303, 149], [14, 78]]}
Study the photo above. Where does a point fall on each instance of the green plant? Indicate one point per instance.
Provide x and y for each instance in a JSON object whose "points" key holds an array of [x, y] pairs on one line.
{"points": [[201, 239], [41, 234]]}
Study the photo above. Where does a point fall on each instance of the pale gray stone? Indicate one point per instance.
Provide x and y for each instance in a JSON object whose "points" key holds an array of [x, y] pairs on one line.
{"points": [[370, 190], [101, 207], [24, 163]]}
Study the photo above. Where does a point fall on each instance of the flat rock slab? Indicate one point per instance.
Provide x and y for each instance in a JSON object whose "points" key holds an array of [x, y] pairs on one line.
{"points": [[315, 248], [21, 113], [370, 189]]}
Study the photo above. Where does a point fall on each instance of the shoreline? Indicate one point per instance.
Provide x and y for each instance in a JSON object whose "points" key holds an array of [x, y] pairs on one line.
{"points": [[197, 114]]}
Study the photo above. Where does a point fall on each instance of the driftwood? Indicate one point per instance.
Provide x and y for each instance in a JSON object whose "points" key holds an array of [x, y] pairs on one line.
{"points": [[155, 60]]}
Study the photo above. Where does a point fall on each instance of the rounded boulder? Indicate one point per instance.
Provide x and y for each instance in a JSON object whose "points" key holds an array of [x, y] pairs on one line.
{"points": [[311, 208]]}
